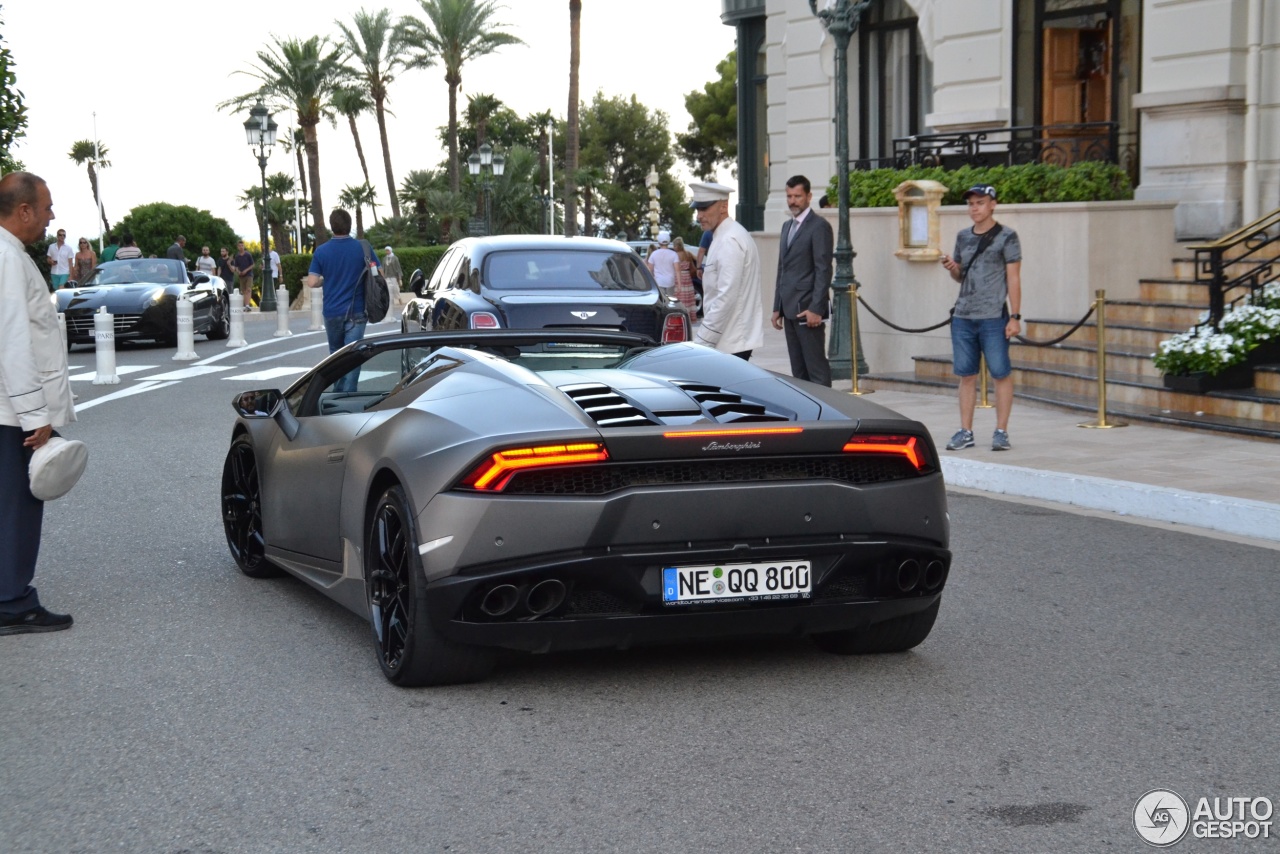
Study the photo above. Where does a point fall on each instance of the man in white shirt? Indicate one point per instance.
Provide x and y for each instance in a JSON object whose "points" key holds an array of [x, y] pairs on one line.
{"points": [[60, 257], [732, 309], [206, 263], [662, 262], [35, 397]]}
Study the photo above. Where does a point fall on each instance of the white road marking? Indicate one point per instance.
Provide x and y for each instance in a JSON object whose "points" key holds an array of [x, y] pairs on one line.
{"points": [[122, 369], [238, 350], [268, 374], [142, 386], [193, 371], [272, 358]]}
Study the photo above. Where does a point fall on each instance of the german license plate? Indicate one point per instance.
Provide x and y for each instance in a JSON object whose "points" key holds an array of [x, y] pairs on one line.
{"points": [[737, 582]]}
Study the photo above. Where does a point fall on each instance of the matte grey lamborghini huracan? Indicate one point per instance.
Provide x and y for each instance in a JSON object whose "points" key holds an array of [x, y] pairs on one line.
{"points": [[475, 490]]}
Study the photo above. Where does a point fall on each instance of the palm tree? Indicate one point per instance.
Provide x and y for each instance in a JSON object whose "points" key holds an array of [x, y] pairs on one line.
{"points": [[571, 133], [279, 208], [588, 180], [480, 108], [377, 45], [517, 206], [456, 30], [294, 141], [351, 102], [414, 190], [84, 154], [299, 75], [451, 210], [358, 197]]}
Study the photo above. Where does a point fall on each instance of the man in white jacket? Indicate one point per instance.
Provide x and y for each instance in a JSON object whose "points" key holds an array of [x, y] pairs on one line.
{"points": [[35, 397], [732, 311]]}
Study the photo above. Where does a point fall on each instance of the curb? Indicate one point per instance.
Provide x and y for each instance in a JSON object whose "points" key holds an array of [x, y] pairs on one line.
{"points": [[1236, 516]]}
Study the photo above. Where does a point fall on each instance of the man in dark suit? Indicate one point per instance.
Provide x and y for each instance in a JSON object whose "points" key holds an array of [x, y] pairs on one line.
{"points": [[801, 299]]}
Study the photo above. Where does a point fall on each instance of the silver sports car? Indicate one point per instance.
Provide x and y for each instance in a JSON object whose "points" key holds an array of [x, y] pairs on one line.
{"points": [[477, 490]]}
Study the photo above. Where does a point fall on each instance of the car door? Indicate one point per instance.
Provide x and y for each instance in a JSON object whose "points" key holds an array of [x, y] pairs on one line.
{"points": [[437, 290], [203, 300], [331, 412]]}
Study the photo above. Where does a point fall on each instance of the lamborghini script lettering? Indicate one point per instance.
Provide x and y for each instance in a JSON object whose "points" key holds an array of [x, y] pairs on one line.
{"points": [[731, 446]]}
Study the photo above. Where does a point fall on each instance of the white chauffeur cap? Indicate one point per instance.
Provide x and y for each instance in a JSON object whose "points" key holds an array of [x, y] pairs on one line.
{"points": [[707, 193], [56, 466]]}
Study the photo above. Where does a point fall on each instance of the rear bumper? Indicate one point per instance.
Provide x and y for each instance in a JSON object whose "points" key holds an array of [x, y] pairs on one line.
{"points": [[615, 600]]}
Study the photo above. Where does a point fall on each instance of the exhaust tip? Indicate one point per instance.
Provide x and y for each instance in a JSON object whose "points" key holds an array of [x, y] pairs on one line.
{"points": [[934, 573], [501, 599], [545, 596], [908, 575]]}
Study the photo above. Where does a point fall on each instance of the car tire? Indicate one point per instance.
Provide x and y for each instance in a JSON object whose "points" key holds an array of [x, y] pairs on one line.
{"points": [[410, 651], [242, 510], [896, 635], [220, 330]]}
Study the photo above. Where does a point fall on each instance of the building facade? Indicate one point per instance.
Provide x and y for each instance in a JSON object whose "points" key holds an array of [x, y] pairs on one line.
{"points": [[1184, 94]]}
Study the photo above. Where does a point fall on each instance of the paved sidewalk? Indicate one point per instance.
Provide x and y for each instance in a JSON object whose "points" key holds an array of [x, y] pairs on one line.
{"points": [[1188, 478]]}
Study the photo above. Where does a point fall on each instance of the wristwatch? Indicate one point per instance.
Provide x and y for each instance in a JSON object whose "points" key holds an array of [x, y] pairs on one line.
{"points": [[1015, 317]]}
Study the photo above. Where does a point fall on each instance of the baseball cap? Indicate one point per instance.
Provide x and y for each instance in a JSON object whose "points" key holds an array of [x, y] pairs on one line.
{"points": [[980, 190]]}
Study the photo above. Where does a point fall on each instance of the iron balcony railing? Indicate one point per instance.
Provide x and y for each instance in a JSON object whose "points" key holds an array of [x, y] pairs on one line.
{"points": [[1056, 144]]}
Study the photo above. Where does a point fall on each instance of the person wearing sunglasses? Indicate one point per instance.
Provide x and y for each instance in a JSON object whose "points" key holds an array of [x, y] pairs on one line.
{"points": [[86, 259]]}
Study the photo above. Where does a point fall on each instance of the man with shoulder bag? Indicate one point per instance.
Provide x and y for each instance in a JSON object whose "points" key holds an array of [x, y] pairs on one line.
{"points": [[988, 265], [35, 398], [342, 265]]}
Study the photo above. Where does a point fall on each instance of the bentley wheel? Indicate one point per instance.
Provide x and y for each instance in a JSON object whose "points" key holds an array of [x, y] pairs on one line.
{"points": [[410, 650], [242, 510], [897, 635]]}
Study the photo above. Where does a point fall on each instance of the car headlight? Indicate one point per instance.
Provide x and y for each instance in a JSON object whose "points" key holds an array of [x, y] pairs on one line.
{"points": [[156, 298]]}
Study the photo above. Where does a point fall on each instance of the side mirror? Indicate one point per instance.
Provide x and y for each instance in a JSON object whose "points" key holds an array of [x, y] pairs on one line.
{"points": [[257, 404], [200, 279], [417, 282]]}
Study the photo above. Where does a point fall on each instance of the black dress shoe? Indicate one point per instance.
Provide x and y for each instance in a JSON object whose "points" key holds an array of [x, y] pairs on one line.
{"points": [[35, 620]]}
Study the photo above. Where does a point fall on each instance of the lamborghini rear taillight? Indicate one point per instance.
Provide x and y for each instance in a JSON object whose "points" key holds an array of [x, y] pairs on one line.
{"points": [[484, 320], [906, 446], [675, 328], [494, 473]]}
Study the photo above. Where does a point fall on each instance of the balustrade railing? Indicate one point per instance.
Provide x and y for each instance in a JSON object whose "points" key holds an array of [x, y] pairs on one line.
{"points": [[1239, 265]]}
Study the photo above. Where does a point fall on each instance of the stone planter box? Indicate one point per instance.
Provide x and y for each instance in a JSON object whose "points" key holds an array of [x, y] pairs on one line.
{"points": [[1200, 382]]}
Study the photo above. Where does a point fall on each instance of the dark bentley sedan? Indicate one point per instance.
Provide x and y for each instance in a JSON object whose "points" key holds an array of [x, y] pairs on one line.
{"points": [[544, 282], [142, 295]]}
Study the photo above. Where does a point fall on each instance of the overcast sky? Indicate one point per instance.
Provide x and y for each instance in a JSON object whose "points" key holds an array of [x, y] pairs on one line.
{"points": [[154, 71]]}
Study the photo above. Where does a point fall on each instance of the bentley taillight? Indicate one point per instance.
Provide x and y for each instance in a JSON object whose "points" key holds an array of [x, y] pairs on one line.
{"points": [[484, 320], [675, 328], [494, 473], [906, 446]]}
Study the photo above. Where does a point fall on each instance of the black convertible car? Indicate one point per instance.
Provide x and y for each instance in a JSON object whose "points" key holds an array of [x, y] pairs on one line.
{"points": [[142, 295], [539, 281], [538, 491]]}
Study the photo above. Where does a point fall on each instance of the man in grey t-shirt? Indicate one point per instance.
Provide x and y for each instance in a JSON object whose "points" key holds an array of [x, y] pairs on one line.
{"points": [[988, 265]]}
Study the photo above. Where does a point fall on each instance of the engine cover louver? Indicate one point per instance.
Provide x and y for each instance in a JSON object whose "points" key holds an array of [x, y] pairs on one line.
{"points": [[605, 406], [726, 406]]}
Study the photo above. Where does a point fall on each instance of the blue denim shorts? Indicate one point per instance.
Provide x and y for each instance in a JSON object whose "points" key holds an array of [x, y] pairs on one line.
{"points": [[969, 338]]}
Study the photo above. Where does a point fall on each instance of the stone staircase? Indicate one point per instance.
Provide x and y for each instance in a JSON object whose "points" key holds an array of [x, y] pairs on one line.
{"points": [[1066, 375]]}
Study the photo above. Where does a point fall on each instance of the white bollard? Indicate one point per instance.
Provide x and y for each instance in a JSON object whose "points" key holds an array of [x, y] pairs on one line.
{"points": [[236, 338], [62, 328], [282, 313], [186, 331], [104, 339], [317, 309]]}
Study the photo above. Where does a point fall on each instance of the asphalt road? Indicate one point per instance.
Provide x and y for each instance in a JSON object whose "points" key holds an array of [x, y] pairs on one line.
{"points": [[1077, 663]]}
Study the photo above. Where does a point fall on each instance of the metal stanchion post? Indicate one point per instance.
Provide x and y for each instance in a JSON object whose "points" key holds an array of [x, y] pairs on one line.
{"points": [[104, 342], [984, 402], [236, 338], [1101, 305], [186, 331], [282, 313], [853, 338], [317, 309]]}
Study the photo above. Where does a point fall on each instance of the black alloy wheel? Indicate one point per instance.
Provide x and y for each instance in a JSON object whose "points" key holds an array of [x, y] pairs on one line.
{"points": [[220, 322], [242, 510], [409, 649]]}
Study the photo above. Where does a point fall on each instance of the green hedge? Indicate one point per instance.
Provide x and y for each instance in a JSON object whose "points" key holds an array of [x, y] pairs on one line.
{"points": [[1089, 181], [293, 268]]}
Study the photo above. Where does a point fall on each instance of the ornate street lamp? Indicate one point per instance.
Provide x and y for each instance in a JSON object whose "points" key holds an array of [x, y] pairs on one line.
{"points": [[260, 133], [487, 165], [841, 18]]}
